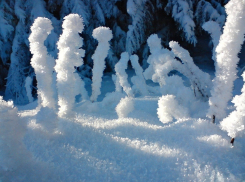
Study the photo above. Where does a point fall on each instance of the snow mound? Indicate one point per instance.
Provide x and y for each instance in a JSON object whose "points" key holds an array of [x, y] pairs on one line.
{"points": [[125, 106], [169, 108]]}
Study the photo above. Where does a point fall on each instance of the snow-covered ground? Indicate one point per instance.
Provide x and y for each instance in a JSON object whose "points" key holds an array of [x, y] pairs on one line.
{"points": [[99, 146]]}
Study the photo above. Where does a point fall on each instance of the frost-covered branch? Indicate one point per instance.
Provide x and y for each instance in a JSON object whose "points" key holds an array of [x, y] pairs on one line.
{"points": [[69, 56], [138, 80], [103, 35], [199, 79], [227, 58], [42, 62], [155, 46], [234, 124], [214, 30], [120, 68]]}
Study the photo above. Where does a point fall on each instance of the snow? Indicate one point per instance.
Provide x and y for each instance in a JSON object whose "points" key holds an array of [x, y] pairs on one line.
{"points": [[125, 106], [163, 135], [98, 146]]}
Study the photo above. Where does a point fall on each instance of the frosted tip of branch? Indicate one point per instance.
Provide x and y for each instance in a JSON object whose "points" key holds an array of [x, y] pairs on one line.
{"points": [[154, 42], [102, 34], [125, 56], [173, 44], [73, 22], [42, 25]]}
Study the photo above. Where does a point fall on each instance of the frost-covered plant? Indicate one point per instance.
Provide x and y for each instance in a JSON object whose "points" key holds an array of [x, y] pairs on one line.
{"points": [[234, 124], [103, 35], [28, 85], [42, 62], [118, 87], [200, 80], [169, 108], [155, 46], [12, 131], [182, 13], [214, 30], [125, 106], [227, 58], [120, 68], [69, 56], [138, 80]]}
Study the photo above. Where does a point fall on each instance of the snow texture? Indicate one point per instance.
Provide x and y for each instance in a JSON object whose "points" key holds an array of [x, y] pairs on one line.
{"points": [[120, 68], [234, 124], [125, 106], [138, 80], [12, 131], [70, 56], [42, 62], [28, 86], [103, 35], [169, 108], [99, 146], [227, 58]]}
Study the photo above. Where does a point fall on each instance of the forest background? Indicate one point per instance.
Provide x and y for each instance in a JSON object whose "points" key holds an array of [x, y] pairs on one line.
{"points": [[131, 22]]}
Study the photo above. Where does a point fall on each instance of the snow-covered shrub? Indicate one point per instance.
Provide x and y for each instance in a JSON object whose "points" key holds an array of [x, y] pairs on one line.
{"points": [[42, 63], [70, 55], [125, 106], [103, 35], [120, 68], [200, 80], [28, 85], [12, 130], [138, 80], [214, 30], [234, 124], [169, 108], [227, 58]]}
